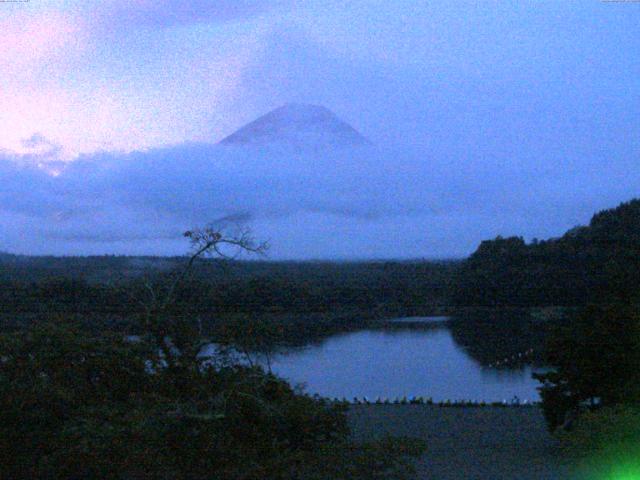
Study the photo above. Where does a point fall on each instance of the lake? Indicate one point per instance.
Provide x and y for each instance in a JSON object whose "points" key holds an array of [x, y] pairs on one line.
{"points": [[396, 362]]}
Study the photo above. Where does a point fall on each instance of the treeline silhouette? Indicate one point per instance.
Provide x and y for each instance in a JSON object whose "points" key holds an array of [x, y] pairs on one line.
{"points": [[310, 299], [587, 264]]}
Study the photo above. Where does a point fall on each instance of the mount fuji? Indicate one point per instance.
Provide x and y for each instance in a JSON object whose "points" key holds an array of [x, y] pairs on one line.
{"points": [[297, 125]]}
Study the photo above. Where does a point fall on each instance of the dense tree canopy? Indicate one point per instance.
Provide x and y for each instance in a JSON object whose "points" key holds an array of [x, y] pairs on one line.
{"points": [[77, 405], [597, 359], [82, 403], [588, 264]]}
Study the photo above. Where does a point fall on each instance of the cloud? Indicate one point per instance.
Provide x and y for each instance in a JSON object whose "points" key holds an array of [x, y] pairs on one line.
{"points": [[321, 203], [37, 140], [169, 13], [30, 39]]}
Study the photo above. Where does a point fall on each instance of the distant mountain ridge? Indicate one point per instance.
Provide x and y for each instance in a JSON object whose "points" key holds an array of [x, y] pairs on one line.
{"points": [[298, 125]]}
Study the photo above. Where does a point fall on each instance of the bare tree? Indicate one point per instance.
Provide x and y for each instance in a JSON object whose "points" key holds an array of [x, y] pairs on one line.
{"points": [[170, 334]]}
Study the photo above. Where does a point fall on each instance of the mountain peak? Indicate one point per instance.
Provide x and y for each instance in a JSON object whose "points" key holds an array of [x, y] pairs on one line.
{"points": [[302, 111], [299, 125]]}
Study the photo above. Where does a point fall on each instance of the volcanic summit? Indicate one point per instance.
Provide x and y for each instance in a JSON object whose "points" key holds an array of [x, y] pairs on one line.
{"points": [[297, 125]]}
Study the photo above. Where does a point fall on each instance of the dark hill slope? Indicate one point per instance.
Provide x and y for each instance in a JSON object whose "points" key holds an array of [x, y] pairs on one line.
{"points": [[595, 263]]}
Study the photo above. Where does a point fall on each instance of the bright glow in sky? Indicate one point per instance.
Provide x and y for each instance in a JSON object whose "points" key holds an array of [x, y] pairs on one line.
{"points": [[545, 95]]}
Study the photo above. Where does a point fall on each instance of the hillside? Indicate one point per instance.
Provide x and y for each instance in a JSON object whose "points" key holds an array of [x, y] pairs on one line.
{"points": [[593, 263]]}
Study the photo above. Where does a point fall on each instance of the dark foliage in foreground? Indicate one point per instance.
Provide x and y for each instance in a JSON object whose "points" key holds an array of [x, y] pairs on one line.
{"points": [[77, 405], [597, 359]]}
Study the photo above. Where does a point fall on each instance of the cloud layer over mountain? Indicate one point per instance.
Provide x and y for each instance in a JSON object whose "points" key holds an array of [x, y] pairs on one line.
{"points": [[325, 199], [485, 118]]}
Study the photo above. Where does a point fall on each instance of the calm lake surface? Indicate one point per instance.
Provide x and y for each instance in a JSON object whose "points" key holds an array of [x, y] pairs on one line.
{"points": [[396, 363]]}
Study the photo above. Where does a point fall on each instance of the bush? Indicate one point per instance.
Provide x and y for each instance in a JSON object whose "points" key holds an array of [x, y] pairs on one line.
{"points": [[79, 405], [596, 357], [605, 443], [609, 428]]}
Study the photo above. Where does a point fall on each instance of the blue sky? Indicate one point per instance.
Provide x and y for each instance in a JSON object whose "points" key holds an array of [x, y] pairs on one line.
{"points": [[514, 117]]}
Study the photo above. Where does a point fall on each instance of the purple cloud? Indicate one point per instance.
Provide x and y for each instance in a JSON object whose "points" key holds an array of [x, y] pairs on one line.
{"points": [[168, 13]]}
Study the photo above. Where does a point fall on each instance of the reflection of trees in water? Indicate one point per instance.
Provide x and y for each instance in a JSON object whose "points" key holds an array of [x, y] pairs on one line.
{"points": [[489, 336], [493, 336]]}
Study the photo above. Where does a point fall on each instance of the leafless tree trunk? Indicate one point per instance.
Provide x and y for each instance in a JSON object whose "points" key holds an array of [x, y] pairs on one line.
{"points": [[205, 242]]}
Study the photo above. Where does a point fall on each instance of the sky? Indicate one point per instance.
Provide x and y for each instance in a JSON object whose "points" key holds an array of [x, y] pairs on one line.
{"points": [[485, 118]]}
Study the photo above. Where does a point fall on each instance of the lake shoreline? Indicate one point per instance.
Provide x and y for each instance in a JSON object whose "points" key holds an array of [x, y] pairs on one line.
{"points": [[401, 365]]}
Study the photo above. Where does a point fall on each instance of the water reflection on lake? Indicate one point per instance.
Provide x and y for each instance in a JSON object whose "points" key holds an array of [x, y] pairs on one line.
{"points": [[396, 363]]}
